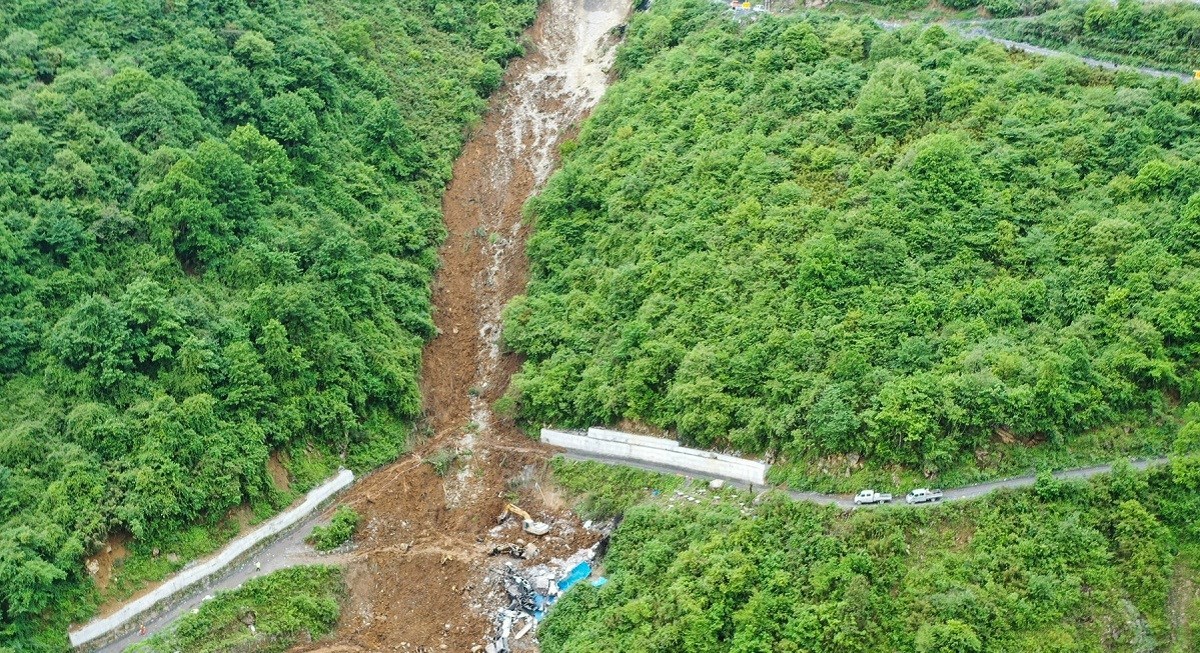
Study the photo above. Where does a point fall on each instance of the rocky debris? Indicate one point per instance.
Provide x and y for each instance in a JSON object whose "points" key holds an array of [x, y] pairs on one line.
{"points": [[529, 591], [516, 549], [465, 371], [520, 591]]}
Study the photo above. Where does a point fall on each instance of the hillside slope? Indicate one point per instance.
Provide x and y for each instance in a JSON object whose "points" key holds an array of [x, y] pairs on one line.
{"points": [[1160, 35], [809, 237], [1083, 566]]}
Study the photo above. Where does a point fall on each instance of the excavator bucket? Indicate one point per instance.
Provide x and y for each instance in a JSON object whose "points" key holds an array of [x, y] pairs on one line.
{"points": [[527, 522], [535, 527]]}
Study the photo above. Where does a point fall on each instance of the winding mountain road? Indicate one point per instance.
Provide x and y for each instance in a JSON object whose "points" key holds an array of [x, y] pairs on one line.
{"points": [[846, 501], [978, 29]]}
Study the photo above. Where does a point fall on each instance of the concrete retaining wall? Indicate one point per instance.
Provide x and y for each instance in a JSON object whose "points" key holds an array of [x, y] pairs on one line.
{"points": [[658, 451], [123, 618]]}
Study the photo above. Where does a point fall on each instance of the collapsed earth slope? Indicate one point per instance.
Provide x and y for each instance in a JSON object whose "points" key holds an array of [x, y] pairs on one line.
{"points": [[419, 578]]}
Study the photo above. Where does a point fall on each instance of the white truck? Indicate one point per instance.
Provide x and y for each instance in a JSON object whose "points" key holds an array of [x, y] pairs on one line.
{"points": [[870, 497], [923, 495]]}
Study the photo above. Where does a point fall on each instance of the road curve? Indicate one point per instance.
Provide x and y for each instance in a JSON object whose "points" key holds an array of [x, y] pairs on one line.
{"points": [[846, 501], [981, 32], [978, 29]]}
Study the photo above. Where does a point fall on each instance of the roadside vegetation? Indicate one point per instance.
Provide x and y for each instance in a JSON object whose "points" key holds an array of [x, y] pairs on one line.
{"points": [[1157, 35], [1062, 566], [267, 614], [218, 225], [959, 9], [339, 530], [814, 239], [600, 491]]}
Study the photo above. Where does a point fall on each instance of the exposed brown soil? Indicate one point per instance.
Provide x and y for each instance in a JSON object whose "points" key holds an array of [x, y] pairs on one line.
{"points": [[278, 472], [421, 577], [101, 565], [1181, 605]]}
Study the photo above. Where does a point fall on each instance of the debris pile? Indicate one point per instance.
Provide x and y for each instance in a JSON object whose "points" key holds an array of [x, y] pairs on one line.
{"points": [[516, 549], [531, 591]]}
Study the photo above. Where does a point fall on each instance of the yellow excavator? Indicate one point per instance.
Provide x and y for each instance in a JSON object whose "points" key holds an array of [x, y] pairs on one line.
{"points": [[532, 527]]}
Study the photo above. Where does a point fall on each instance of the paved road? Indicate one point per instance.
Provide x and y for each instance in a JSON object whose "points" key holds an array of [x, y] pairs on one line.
{"points": [[846, 501], [977, 29], [287, 551]]}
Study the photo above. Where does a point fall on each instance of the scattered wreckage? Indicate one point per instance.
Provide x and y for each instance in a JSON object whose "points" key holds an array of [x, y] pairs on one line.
{"points": [[531, 591], [528, 599]]}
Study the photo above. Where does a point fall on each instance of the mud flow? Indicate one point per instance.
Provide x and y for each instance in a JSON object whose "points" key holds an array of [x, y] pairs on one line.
{"points": [[422, 577]]}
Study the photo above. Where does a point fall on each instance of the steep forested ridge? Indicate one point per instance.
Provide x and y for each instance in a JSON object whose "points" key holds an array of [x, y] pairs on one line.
{"points": [[218, 223], [1146, 34], [807, 236], [1101, 566]]}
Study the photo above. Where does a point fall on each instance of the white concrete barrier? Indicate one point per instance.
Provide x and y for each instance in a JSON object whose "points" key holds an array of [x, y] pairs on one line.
{"points": [[188, 577], [658, 451]]}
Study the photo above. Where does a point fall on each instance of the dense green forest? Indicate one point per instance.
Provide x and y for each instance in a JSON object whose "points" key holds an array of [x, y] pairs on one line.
{"points": [[1148, 34], [808, 237], [1081, 567], [218, 224]]}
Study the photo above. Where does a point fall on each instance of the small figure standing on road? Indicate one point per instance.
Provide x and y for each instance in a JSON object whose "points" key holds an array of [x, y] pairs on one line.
{"points": [[257, 566], [142, 630]]}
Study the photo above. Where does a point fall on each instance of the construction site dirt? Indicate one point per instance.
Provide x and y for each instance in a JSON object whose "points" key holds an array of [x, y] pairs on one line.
{"points": [[421, 577]]}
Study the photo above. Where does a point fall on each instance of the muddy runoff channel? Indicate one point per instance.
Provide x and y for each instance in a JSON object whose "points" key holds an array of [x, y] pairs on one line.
{"points": [[425, 574]]}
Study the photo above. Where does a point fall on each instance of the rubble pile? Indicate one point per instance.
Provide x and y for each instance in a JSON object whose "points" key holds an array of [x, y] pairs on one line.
{"points": [[524, 589]]}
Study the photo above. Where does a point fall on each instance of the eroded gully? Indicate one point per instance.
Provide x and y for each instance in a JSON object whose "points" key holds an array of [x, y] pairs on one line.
{"points": [[421, 577]]}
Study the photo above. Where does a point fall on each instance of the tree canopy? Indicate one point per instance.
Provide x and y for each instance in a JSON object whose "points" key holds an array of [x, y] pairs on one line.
{"points": [[1064, 566], [810, 237], [1157, 35], [218, 224]]}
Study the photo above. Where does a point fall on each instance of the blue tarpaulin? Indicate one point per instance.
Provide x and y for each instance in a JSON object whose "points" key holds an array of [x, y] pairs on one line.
{"points": [[580, 572], [600, 582]]}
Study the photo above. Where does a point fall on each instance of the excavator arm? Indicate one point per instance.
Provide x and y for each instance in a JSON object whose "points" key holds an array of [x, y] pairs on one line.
{"points": [[532, 527]]}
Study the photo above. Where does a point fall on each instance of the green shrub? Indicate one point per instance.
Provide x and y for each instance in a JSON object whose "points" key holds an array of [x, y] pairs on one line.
{"points": [[1009, 572], [1159, 35], [443, 460], [218, 225], [286, 607], [338, 532], [877, 258], [1002, 8], [602, 491]]}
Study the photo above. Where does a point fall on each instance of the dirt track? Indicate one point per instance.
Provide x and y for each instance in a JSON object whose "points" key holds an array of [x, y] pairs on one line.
{"points": [[421, 578]]}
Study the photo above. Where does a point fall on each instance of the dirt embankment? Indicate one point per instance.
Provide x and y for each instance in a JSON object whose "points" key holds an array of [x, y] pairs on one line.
{"points": [[422, 578]]}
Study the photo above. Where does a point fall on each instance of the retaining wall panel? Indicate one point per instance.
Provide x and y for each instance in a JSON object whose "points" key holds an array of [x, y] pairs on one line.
{"points": [[609, 444]]}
